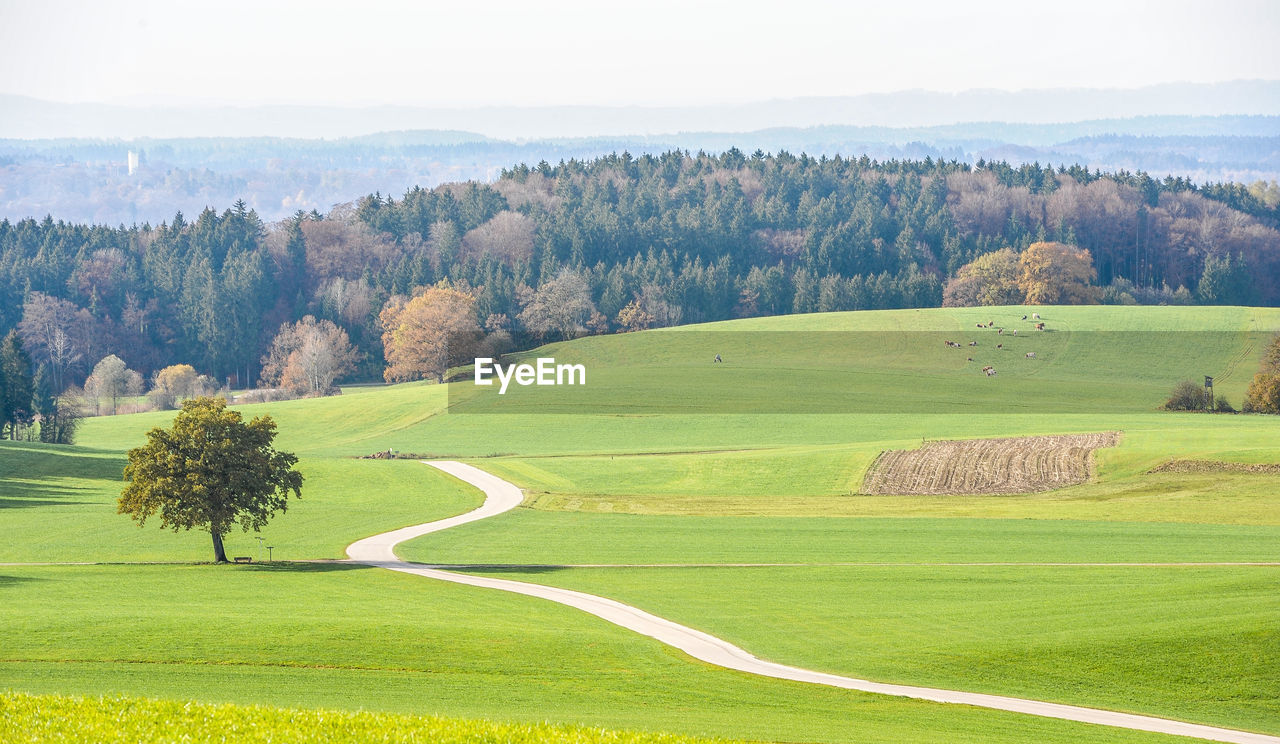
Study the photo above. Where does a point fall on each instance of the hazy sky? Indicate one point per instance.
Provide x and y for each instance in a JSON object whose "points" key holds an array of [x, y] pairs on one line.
{"points": [[600, 52]]}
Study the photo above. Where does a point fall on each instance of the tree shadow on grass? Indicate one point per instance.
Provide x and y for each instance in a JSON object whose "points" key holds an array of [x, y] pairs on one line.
{"points": [[11, 580], [47, 475], [301, 567], [51, 461], [20, 494]]}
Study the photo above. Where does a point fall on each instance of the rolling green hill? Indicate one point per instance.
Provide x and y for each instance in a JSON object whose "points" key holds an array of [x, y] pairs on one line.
{"points": [[667, 458]]}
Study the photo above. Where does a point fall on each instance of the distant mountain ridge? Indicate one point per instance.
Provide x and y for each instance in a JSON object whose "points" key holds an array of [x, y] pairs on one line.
{"points": [[28, 118], [87, 180]]}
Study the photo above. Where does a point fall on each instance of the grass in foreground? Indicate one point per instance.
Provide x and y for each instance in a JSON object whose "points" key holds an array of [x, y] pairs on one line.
{"points": [[75, 720], [1198, 644], [336, 636]]}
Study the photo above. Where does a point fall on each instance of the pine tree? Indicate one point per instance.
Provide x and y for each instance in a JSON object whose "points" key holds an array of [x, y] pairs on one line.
{"points": [[16, 394]]}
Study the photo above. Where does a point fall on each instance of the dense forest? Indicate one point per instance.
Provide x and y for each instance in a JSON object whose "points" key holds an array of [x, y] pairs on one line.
{"points": [[633, 242]]}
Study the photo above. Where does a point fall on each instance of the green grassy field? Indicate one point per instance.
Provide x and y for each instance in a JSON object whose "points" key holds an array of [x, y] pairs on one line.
{"points": [[666, 459], [362, 639], [560, 538], [59, 504], [824, 479], [1188, 643], [141, 720]]}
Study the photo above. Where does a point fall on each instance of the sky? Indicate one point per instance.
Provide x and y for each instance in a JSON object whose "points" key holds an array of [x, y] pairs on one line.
{"points": [[595, 52]]}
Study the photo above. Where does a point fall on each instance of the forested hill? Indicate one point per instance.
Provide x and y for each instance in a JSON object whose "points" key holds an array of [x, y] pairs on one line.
{"points": [[632, 242]]}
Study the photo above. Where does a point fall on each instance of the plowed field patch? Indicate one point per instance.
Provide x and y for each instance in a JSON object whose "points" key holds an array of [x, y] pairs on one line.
{"points": [[1012, 465]]}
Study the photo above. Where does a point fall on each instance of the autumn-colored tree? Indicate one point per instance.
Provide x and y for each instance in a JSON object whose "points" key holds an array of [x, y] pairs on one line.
{"points": [[560, 307], [210, 470], [990, 279], [1271, 356], [633, 317], [174, 383], [425, 335], [1263, 395], [307, 356], [1057, 274]]}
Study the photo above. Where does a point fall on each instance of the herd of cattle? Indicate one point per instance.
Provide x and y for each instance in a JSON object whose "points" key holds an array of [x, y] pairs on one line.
{"points": [[989, 370]]}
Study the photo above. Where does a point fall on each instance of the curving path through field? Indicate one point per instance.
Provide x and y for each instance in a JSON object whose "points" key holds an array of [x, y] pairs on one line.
{"points": [[501, 496]]}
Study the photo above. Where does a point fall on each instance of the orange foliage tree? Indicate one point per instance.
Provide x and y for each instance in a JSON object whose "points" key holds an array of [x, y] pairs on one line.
{"points": [[1057, 274], [1263, 395], [425, 335]]}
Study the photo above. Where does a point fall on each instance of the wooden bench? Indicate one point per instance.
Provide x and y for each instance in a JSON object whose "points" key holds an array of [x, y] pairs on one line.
{"points": [[243, 559]]}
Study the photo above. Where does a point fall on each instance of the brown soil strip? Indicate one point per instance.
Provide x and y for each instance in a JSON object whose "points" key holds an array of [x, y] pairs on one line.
{"points": [[987, 466], [1215, 466]]}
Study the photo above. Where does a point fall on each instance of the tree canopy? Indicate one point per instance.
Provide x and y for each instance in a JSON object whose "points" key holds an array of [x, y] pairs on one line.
{"points": [[307, 356], [672, 237], [991, 279], [426, 334], [210, 470], [1056, 274], [1263, 395]]}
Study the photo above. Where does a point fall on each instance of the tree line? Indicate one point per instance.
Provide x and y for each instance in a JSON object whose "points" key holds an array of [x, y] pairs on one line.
{"points": [[610, 244]]}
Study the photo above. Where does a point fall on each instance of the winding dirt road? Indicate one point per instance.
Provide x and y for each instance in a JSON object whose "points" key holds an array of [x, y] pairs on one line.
{"points": [[501, 496]]}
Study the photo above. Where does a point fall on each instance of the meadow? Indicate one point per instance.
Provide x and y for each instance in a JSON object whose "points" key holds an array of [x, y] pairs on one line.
{"points": [[660, 474], [335, 636], [140, 721]]}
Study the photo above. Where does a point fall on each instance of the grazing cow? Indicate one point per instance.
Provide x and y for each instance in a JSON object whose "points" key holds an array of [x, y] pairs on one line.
{"points": [[1031, 355], [987, 368], [973, 343], [991, 371], [977, 325], [1036, 316], [999, 346], [1024, 317], [1000, 331], [1015, 331], [970, 359], [1039, 326]]}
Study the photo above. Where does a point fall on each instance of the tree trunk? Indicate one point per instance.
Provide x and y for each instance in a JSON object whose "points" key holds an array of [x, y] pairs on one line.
{"points": [[219, 555]]}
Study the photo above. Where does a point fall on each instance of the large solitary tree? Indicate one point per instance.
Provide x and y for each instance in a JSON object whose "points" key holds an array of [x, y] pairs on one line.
{"points": [[210, 470]]}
